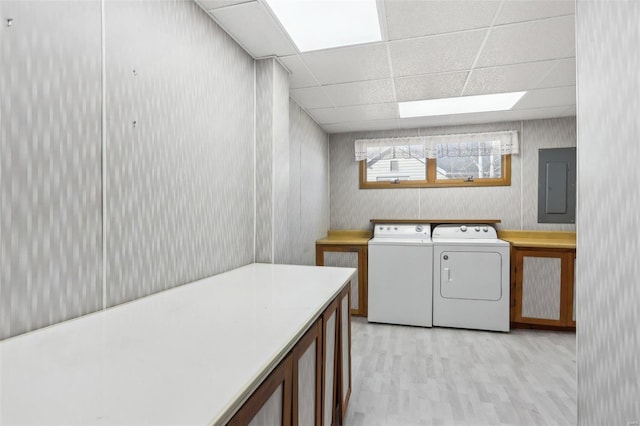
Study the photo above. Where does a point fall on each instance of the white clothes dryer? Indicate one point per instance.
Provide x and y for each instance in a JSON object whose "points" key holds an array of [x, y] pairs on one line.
{"points": [[470, 278]]}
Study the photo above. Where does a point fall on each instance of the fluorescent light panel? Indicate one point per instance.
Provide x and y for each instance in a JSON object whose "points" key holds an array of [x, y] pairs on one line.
{"points": [[459, 105], [321, 24]]}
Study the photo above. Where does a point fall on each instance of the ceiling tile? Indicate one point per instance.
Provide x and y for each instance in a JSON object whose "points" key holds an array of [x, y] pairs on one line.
{"points": [[355, 113], [529, 10], [255, 29], [450, 52], [430, 86], [512, 115], [557, 96], [357, 126], [361, 92], [563, 74], [415, 18], [300, 76], [310, 97], [215, 4], [477, 118], [413, 122], [538, 113], [528, 42], [347, 64], [507, 78]]}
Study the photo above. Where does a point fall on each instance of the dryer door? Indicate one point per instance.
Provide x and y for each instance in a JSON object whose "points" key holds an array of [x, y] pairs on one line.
{"points": [[471, 275]]}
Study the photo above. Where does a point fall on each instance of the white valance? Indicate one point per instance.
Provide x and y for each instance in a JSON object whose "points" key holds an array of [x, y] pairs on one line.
{"points": [[438, 146]]}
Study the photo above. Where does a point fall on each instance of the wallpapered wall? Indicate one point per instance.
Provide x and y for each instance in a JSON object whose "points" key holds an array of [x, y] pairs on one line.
{"points": [[309, 186], [178, 186], [50, 153], [272, 161], [162, 193], [608, 60], [515, 205]]}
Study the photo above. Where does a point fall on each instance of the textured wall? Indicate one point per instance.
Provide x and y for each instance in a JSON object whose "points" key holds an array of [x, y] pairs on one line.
{"points": [[50, 144], [281, 162], [515, 205], [272, 161], [179, 184], [308, 186], [608, 86], [264, 162]]}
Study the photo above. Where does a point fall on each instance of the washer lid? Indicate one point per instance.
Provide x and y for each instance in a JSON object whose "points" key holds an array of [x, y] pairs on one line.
{"points": [[399, 242]]}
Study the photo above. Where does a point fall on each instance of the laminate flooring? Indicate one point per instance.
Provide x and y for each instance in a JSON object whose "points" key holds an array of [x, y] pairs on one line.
{"points": [[404, 376]]}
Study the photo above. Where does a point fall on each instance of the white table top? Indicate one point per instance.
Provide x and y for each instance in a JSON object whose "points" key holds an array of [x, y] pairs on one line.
{"points": [[186, 356]]}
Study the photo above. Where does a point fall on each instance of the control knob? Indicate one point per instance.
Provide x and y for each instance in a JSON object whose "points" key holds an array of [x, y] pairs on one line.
{"points": [[463, 228], [419, 228], [477, 229], [485, 229]]}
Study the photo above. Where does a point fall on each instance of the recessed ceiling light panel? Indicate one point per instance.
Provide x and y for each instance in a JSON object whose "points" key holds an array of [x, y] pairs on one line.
{"points": [[459, 105], [321, 24]]}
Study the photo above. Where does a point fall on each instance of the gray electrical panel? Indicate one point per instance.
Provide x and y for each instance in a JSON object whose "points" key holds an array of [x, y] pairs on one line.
{"points": [[557, 185]]}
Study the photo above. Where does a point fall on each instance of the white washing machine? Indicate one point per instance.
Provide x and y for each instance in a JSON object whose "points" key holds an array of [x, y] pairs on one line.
{"points": [[400, 275], [470, 278]]}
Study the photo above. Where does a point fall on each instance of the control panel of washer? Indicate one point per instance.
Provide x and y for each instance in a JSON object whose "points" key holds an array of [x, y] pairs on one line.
{"points": [[465, 231], [401, 230]]}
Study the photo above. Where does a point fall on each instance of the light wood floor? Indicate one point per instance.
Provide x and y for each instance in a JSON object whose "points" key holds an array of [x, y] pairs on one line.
{"points": [[406, 376]]}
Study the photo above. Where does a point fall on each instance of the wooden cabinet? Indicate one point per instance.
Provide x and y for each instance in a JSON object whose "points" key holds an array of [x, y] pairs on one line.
{"points": [[345, 352], [348, 248], [331, 341], [337, 359], [542, 287], [307, 378], [270, 404], [312, 385], [571, 299]]}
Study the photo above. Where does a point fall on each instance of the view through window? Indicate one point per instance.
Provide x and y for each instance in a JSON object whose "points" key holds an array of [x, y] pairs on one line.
{"points": [[457, 164]]}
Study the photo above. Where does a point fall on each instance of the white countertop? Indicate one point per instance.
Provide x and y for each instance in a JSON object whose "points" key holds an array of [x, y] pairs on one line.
{"points": [[186, 356]]}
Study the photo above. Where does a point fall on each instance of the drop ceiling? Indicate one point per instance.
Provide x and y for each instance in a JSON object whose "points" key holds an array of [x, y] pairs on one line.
{"points": [[430, 49]]}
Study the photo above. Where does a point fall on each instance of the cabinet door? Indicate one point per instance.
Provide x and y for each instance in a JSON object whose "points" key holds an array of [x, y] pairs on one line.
{"points": [[544, 286], [539, 284], [571, 291], [345, 352], [270, 404], [329, 348], [350, 257], [515, 287], [307, 378]]}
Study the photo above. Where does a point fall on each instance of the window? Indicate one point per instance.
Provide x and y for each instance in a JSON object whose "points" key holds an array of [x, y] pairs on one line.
{"points": [[392, 165], [468, 161], [436, 161]]}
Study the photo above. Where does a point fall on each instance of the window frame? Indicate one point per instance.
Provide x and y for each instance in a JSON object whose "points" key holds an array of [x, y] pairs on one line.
{"points": [[432, 182]]}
